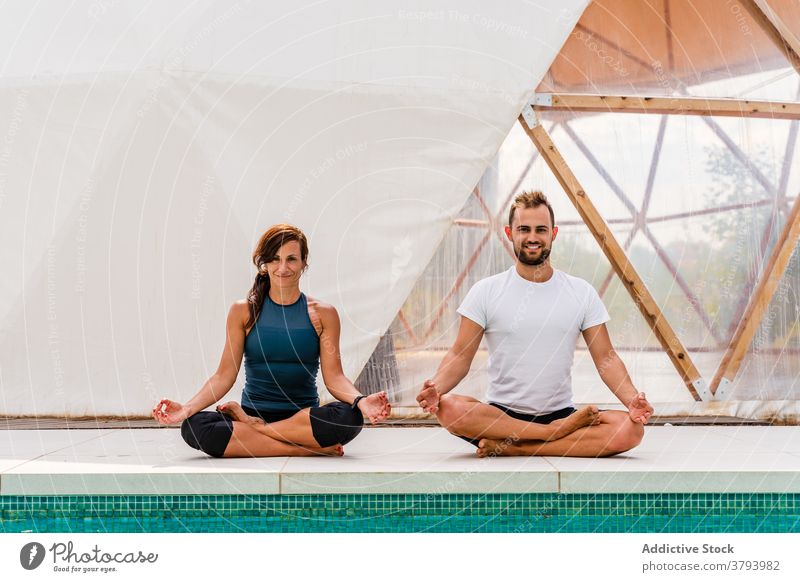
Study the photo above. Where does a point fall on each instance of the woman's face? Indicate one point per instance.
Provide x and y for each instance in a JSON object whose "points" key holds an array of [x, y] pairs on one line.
{"points": [[285, 268]]}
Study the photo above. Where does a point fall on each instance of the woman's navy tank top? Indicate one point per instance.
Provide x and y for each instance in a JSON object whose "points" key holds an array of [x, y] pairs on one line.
{"points": [[281, 358]]}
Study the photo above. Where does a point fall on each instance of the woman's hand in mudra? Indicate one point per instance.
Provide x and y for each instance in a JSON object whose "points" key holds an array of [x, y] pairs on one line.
{"points": [[170, 412], [375, 407]]}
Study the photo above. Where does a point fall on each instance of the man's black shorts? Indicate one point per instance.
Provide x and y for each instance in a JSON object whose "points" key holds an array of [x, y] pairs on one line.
{"points": [[538, 418]]}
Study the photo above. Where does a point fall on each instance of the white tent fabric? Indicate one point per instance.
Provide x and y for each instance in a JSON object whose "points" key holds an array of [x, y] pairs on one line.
{"points": [[144, 147]]}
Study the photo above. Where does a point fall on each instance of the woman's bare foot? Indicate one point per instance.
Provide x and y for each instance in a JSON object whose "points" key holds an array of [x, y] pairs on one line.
{"points": [[586, 416], [302, 451], [235, 411], [331, 451]]}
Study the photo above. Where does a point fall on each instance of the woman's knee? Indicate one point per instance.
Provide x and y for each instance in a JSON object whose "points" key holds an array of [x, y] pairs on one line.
{"points": [[351, 422], [209, 432], [190, 432], [348, 432], [335, 423]]}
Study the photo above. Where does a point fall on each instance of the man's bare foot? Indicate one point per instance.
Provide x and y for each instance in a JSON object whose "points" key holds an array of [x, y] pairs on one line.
{"points": [[493, 447], [235, 411], [586, 416]]}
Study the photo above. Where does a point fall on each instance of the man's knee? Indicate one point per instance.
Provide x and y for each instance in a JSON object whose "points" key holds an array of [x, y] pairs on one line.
{"points": [[628, 435], [451, 411]]}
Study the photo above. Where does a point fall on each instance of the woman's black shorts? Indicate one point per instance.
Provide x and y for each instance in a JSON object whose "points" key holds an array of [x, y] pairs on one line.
{"points": [[334, 423]]}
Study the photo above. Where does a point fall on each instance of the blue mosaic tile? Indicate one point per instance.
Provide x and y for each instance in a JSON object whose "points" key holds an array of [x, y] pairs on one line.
{"points": [[491, 513]]}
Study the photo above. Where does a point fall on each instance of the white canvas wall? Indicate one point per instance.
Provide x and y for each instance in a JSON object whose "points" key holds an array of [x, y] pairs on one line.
{"points": [[144, 147]]}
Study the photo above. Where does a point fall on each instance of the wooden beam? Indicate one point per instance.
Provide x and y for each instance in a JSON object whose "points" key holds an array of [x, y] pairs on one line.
{"points": [[472, 222], [669, 105], [616, 255], [760, 300], [774, 27]]}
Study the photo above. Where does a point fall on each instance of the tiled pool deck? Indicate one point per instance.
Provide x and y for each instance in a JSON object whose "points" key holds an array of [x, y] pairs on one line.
{"points": [[681, 479], [672, 459]]}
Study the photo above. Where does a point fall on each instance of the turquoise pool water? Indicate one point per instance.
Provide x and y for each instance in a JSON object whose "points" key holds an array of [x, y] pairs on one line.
{"points": [[490, 513]]}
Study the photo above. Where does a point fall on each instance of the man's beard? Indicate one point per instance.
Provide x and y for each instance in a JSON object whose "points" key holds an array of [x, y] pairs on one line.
{"points": [[543, 256]]}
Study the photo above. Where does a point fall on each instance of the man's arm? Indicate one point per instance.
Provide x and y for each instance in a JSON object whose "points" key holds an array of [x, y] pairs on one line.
{"points": [[454, 366], [614, 374]]}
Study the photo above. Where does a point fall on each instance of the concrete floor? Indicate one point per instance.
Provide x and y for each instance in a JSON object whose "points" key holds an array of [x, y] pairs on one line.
{"points": [[396, 460]]}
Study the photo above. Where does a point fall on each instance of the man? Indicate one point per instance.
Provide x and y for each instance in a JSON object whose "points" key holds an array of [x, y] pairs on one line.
{"points": [[531, 316]]}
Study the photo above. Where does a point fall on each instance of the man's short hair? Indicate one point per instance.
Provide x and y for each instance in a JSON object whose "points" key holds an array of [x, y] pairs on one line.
{"points": [[531, 199]]}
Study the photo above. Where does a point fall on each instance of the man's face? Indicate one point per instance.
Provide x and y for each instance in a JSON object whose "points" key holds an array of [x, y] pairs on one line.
{"points": [[532, 235]]}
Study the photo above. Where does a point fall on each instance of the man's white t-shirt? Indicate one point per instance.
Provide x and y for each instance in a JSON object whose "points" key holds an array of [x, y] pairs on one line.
{"points": [[531, 330]]}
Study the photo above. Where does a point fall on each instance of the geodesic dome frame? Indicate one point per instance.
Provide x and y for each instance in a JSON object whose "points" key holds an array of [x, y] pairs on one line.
{"points": [[656, 82]]}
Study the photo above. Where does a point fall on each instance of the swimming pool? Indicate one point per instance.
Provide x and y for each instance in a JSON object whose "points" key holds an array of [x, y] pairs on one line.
{"points": [[396, 513]]}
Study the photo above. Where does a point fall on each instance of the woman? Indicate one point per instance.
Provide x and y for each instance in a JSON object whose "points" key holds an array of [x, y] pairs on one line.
{"points": [[284, 337]]}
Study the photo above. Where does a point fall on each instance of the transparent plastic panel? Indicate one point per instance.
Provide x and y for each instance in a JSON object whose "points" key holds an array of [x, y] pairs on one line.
{"points": [[710, 218], [667, 47], [514, 159], [772, 85], [577, 252], [435, 322], [771, 367], [464, 257], [717, 40], [700, 294], [698, 226], [613, 176], [788, 11]]}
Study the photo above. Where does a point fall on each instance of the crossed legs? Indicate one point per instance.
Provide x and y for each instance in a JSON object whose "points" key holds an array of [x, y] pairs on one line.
{"points": [[240, 435], [295, 430], [248, 441], [585, 433]]}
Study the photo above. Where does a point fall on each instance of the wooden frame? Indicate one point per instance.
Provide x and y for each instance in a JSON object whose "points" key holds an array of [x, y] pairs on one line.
{"points": [[759, 301], [669, 105], [616, 255]]}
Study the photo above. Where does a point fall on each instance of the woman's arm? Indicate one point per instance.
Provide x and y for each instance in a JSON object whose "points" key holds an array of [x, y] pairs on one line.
{"points": [[220, 383], [375, 407]]}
